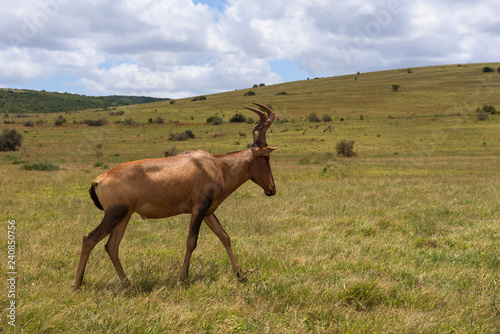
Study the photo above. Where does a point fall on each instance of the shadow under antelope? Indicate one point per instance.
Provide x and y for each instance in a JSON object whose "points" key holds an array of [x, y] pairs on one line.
{"points": [[193, 182]]}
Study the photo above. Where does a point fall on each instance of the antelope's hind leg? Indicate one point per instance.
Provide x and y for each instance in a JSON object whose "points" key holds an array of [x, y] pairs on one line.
{"points": [[112, 218], [112, 247]]}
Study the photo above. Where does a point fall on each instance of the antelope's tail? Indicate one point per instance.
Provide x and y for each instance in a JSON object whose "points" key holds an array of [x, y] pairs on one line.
{"points": [[94, 197]]}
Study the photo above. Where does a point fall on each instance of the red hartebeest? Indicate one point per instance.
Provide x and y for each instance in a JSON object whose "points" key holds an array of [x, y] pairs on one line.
{"points": [[194, 182]]}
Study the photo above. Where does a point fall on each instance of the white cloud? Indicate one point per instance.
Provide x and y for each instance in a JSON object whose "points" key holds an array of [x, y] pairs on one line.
{"points": [[175, 47]]}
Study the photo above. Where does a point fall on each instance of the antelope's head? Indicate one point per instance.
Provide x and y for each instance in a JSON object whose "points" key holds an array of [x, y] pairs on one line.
{"points": [[260, 170]]}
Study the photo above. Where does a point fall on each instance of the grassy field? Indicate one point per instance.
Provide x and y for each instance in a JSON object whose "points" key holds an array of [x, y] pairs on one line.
{"points": [[402, 238]]}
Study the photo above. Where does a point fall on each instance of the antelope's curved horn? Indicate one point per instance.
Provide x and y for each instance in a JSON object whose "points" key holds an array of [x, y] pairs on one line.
{"points": [[259, 130]]}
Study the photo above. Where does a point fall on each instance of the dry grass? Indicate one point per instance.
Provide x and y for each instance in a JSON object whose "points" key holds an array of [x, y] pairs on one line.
{"points": [[402, 238]]}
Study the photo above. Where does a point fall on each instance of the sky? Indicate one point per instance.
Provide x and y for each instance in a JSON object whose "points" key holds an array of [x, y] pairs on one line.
{"points": [[183, 48]]}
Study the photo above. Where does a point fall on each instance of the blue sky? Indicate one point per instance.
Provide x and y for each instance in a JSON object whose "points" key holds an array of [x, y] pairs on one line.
{"points": [[182, 48]]}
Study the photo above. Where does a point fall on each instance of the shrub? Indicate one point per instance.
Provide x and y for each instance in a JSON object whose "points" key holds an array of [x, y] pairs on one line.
{"points": [[40, 166], [116, 113], [178, 136], [129, 121], [96, 122], [199, 98], [488, 69], [215, 120], [60, 121], [10, 140], [28, 123], [481, 114], [326, 118], [282, 93], [181, 136], [395, 88], [250, 93], [238, 118], [172, 102], [159, 120], [490, 110], [313, 117], [262, 84], [345, 148]]}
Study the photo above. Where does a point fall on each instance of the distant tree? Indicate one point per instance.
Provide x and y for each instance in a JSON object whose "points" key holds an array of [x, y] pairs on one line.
{"points": [[199, 98], [395, 88], [326, 118], [255, 86], [488, 69], [10, 140], [262, 84], [250, 93]]}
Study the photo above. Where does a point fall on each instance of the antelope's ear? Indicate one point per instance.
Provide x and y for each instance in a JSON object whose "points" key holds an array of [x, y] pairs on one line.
{"points": [[265, 150]]}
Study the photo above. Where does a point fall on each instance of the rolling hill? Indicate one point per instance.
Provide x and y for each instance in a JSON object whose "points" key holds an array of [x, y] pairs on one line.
{"points": [[33, 101]]}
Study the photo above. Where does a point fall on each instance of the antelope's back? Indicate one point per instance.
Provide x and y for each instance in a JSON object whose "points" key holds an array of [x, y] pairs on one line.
{"points": [[162, 187]]}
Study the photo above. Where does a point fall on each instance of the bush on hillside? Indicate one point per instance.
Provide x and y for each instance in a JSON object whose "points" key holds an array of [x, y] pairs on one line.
{"points": [[490, 110], [313, 117], [60, 121], [181, 136], [96, 122], [238, 118], [326, 118], [481, 114], [10, 140], [488, 69], [215, 120]]}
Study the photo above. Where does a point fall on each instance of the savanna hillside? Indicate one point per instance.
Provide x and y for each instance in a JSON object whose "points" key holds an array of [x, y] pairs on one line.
{"points": [[402, 237]]}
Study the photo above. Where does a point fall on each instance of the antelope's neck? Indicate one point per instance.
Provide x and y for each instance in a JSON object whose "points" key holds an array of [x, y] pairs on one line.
{"points": [[235, 169]]}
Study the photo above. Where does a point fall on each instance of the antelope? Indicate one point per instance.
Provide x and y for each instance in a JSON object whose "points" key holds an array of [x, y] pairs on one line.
{"points": [[242, 135], [193, 182]]}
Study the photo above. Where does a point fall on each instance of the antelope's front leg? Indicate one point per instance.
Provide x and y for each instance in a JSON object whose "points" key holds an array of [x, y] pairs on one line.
{"points": [[217, 228], [194, 229]]}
